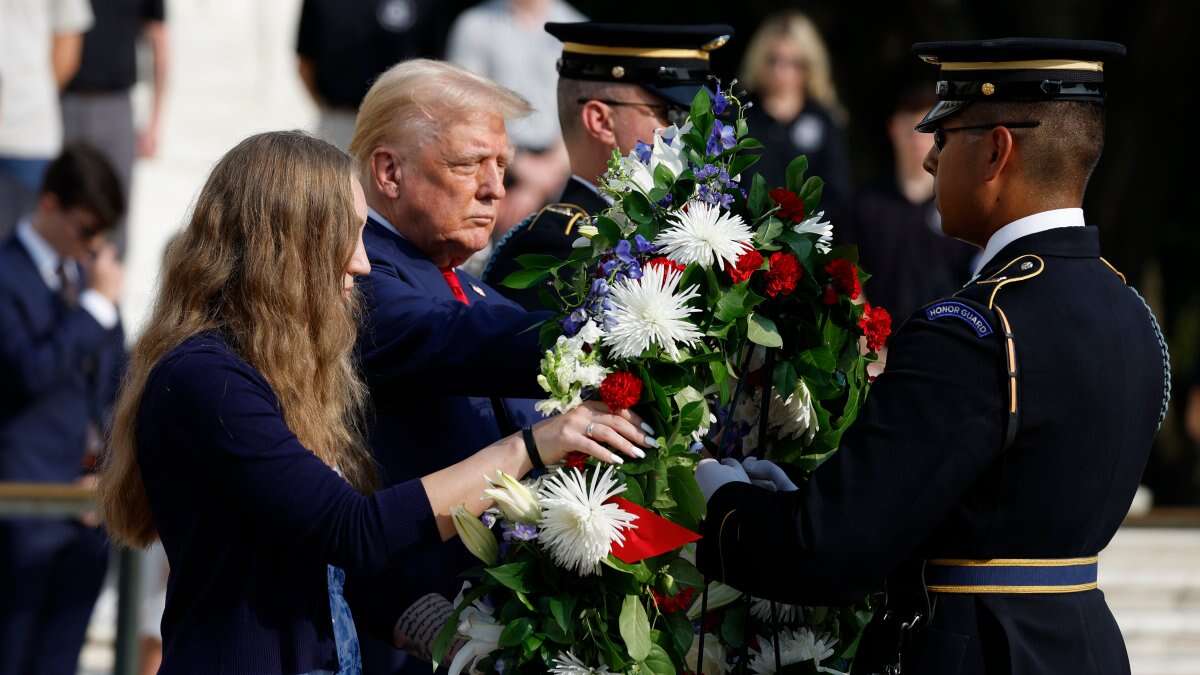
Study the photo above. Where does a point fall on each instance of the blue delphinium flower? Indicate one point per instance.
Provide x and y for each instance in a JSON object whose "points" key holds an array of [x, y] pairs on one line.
{"points": [[665, 202], [720, 102], [723, 137], [519, 532], [707, 171], [642, 245], [574, 322], [488, 518], [642, 152], [624, 251]]}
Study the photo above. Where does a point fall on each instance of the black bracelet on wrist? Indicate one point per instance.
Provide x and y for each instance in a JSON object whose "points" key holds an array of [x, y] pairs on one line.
{"points": [[532, 449]]}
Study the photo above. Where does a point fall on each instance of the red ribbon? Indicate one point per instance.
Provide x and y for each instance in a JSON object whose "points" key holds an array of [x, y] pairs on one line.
{"points": [[653, 536]]}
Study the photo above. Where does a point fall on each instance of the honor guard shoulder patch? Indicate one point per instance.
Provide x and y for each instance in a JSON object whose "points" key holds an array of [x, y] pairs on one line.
{"points": [[957, 310]]}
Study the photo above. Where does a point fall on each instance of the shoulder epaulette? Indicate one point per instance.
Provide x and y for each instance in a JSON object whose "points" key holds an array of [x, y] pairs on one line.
{"points": [[572, 212], [1018, 269]]}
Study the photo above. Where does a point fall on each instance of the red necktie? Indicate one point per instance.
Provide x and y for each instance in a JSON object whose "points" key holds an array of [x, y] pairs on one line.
{"points": [[455, 287]]}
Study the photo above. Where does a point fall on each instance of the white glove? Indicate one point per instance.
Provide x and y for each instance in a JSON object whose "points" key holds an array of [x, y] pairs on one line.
{"points": [[711, 475], [768, 475]]}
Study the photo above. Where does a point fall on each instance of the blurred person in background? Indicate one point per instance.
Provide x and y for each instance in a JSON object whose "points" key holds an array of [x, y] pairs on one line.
{"points": [[61, 355], [896, 225], [237, 436], [40, 46], [796, 109], [343, 45], [506, 42], [96, 105], [617, 85]]}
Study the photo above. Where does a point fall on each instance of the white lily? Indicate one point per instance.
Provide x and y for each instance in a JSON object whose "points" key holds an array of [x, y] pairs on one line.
{"points": [[515, 500], [478, 625], [478, 539]]}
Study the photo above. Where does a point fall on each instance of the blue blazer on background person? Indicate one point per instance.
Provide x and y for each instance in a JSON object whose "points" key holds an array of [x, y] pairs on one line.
{"points": [[433, 365], [61, 370]]}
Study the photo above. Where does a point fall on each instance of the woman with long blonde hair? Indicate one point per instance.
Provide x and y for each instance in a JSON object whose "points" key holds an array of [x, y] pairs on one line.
{"points": [[236, 438], [797, 112]]}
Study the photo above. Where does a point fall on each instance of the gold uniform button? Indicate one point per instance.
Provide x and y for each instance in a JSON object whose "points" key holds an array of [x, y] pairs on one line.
{"points": [[618, 72], [988, 88]]}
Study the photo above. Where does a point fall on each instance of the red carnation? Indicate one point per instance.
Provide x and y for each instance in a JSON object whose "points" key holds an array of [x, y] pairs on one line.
{"points": [[679, 602], [620, 390], [667, 264], [876, 324], [785, 271], [791, 206], [576, 460], [747, 264], [829, 296], [845, 277]]}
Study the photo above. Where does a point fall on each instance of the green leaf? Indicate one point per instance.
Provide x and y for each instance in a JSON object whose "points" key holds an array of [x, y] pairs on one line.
{"points": [[795, 174], [511, 576], [638, 571], [757, 201], [733, 626], [561, 610], [769, 230], [762, 331], [638, 208], [691, 417], [663, 178], [633, 491], [741, 163], [515, 633], [720, 373], [659, 662], [685, 490], [784, 379], [635, 628], [680, 631], [737, 302], [847, 251], [685, 573], [701, 107], [525, 278], [747, 144], [608, 228], [810, 192]]}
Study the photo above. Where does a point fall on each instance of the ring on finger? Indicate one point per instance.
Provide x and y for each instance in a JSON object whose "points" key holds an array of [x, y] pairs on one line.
{"points": [[588, 431]]}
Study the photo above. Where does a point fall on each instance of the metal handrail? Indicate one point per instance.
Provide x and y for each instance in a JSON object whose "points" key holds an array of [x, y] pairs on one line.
{"points": [[58, 500]]}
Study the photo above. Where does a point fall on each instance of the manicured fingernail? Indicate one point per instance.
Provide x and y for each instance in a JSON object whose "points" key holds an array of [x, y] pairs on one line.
{"points": [[651, 442], [648, 429], [637, 452], [617, 459]]}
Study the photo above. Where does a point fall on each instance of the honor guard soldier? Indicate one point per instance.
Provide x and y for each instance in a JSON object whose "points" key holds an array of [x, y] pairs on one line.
{"points": [[617, 84], [1001, 449]]}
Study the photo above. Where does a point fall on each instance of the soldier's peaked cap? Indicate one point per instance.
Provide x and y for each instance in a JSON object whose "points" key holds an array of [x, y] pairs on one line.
{"points": [[670, 61], [1014, 69]]}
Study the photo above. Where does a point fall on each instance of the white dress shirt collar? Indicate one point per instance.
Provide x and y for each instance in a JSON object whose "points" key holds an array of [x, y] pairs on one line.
{"points": [[1023, 227], [384, 222], [45, 258]]}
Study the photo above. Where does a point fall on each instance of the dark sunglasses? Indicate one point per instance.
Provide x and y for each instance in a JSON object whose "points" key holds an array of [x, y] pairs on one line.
{"points": [[939, 134], [669, 113]]}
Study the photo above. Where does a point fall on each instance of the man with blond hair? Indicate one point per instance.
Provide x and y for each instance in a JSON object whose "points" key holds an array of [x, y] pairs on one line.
{"points": [[439, 347]]}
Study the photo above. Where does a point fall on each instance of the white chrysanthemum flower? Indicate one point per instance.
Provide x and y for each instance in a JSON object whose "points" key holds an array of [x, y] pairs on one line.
{"points": [[799, 646], [792, 417], [648, 311], [577, 527], [823, 230], [705, 235], [785, 614], [566, 663]]}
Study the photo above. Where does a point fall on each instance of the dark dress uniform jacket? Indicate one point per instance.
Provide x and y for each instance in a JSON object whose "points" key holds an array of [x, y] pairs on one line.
{"points": [[548, 232], [433, 365], [59, 370], [924, 472]]}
